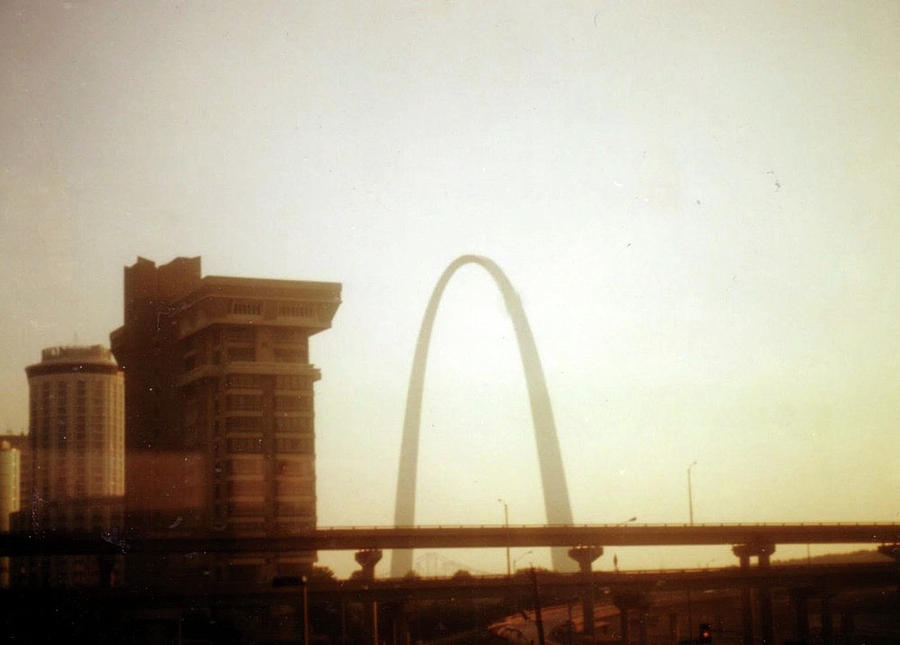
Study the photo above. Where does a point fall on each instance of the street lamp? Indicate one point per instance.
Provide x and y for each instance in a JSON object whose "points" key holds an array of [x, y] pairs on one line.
{"points": [[516, 561], [691, 515], [691, 493], [506, 525], [305, 581]]}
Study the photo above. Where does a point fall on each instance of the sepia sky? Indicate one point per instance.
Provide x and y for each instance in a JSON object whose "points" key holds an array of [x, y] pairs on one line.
{"points": [[697, 202]]}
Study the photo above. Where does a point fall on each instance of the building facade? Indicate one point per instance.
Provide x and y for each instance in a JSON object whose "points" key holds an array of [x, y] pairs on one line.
{"points": [[76, 459], [77, 439], [9, 497], [18, 443], [220, 409]]}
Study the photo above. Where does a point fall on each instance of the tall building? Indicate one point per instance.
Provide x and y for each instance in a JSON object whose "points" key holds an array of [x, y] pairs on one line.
{"points": [[20, 443], [9, 497], [220, 424], [9, 484], [76, 456], [77, 435]]}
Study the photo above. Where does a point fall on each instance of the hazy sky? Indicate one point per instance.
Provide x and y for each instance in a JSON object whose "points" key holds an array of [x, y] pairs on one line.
{"points": [[697, 203]]}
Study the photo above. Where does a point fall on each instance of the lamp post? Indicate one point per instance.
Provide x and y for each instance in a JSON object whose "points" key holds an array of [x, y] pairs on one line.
{"points": [[691, 493], [305, 581], [516, 561], [691, 516], [506, 526]]}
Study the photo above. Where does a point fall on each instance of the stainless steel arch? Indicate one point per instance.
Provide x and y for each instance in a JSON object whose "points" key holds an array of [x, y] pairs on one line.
{"points": [[553, 480]]}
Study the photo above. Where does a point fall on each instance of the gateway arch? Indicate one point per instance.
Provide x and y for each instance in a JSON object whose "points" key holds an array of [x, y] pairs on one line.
{"points": [[553, 480]]}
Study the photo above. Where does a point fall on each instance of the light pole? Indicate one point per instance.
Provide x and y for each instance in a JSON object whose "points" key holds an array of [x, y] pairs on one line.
{"points": [[506, 526], [691, 515], [516, 561], [691, 493], [305, 582]]}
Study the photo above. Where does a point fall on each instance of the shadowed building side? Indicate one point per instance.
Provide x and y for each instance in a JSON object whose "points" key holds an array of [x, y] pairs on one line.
{"points": [[553, 481], [220, 429]]}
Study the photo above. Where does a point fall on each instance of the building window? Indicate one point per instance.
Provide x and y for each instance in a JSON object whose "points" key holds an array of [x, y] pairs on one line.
{"points": [[246, 307], [246, 466], [303, 509], [302, 445], [245, 444], [289, 355], [292, 468], [239, 334], [293, 403], [293, 310], [288, 335], [243, 380], [293, 424], [243, 402], [241, 354], [245, 509], [253, 488], [242, 423], [291, 382]]}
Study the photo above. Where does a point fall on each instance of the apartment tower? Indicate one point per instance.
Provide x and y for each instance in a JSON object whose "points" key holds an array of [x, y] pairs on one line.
{"points": [[76, 459], [77, 434], [220, 422]]}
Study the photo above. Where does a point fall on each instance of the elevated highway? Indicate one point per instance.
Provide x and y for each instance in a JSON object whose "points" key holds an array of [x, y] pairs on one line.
{"points": [[432, 537]]}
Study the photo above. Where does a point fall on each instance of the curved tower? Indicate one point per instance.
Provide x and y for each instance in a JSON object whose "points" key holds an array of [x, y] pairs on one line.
{"points": [[553, 481], [77, 433]]}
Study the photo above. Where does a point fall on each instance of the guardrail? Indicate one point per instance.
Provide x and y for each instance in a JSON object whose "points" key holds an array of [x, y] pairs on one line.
{"points": [[345, 539]]}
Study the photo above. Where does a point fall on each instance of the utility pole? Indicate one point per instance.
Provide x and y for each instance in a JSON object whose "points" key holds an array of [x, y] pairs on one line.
{"points": [[539, 622], [506, 526], [691, 517], [691, 493]]}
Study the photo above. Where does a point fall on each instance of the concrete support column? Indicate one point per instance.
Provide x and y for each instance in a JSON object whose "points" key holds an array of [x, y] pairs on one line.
{"points": [[890, 550], [827, 622], [847, 628], [763, 552], [399, 614], [766, 624], [627, 602], [106, 565], [645, 617], [800, 601], [585, 556], [743, 553], [367, 559], [624, 628]]}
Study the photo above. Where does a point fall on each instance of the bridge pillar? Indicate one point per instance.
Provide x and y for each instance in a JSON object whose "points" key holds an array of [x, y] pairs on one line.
{"points": [[847, 627], [626, 602], [762, 552], [584, 556], [673, 628], [800, 601], [890, 550], [827, 619], [399, 613], [367, 559]]}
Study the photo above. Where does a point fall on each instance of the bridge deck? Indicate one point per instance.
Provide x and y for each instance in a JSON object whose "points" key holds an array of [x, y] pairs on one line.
{"points": [[355, 538]]}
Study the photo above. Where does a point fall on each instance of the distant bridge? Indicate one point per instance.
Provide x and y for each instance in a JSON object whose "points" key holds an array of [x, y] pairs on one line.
{"points": [[437, 537]]}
